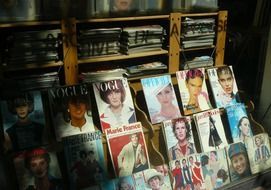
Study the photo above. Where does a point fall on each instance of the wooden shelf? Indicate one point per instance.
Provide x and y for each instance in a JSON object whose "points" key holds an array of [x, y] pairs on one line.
{"points": [[28, 23], [122, 57], [117, 19], [198, 48], [199, 14], [32, 66]]}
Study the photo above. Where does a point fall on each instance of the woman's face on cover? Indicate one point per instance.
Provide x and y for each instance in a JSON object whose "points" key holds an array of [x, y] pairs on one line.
{"points": [[245, 127], [114, 98], [124, 186], [226, 82], [180, 131], [194, 87], [77, 109], [239, 163], [123, 5], [165, 96]]}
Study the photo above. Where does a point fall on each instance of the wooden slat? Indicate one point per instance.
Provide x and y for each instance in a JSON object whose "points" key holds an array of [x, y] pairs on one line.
{"points": [[221, 37], [28, 24], [68, 29], [31, 66], [122, 57], [174, 42], [117, 19]]}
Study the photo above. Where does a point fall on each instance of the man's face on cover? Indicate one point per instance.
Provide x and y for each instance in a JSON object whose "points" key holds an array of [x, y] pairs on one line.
{"points": [[226, 81], [134, 139]]}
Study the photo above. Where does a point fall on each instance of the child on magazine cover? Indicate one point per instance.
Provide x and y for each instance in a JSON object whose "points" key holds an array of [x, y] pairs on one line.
{"points": [[24, 133], [227, 82], [116, 113], [165, 96], [182, 132], [239, 163], [198, 99], [132, 158]]}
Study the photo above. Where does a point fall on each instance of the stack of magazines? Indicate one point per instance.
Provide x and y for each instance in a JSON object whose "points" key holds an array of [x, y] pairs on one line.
{"points": [[147, 68], [98, 42], [37, 81], [197, 62], [32, 47], [102, 75], [198, 32], [142, 38]]}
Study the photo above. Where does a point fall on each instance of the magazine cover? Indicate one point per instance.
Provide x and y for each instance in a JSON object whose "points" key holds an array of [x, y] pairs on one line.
{"points": [[258, 149], [71, 110], [36, 168], [238, 161], [179, 137], [85, 159], [223, 85], [239, 123], [215, 168], [139, 180], [164, 105], [210, 129], [23, 120], [184, 176], [115, 103], [155, 180], [107, 184], [126, 182], [127, 149], [192, 87]]}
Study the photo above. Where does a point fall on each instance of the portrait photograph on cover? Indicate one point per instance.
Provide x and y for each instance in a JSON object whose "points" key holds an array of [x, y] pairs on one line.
{"points": [[23, 121], [160, 98], [71, 110], [114, 102]]}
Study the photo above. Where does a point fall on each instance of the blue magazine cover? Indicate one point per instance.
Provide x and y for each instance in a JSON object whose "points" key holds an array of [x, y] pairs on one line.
{"points": [[239, 122], [160, 98], [85, 159]]}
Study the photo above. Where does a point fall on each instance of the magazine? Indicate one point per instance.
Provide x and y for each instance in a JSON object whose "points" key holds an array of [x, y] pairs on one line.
{"points": [[238, 161], [210, 130], [187, 173], [239, 122], [164, 106], [114, 102], [258, 149], [127, 149], [71, 110], [31, 166], [151, 177], [125, 183], [84, 156], [223, 85], [23, 120], [192, 87], [179, 137], [215, 169]]}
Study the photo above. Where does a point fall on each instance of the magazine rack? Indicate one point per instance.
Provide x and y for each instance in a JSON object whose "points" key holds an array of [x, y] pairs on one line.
{"points": [[72, 65]]}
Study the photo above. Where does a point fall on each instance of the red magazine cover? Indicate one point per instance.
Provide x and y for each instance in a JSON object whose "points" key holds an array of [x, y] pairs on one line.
{"points": [[128, 149]]}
